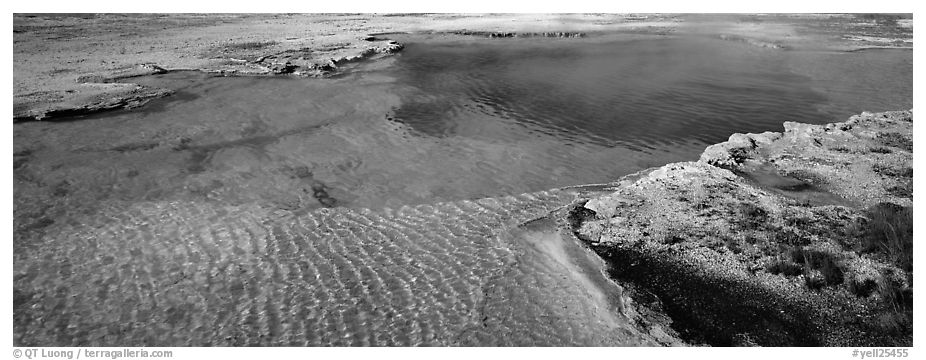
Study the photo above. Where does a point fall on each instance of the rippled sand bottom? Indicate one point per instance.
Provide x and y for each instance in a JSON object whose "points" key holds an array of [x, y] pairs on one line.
{"points": [[179, 273]]}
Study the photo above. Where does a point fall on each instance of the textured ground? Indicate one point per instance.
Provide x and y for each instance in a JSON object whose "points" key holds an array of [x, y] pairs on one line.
{"points": [[800, 238]]}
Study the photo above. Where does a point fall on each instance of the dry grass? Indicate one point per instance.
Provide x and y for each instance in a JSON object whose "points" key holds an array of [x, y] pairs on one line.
{"points": [[889, 232]]}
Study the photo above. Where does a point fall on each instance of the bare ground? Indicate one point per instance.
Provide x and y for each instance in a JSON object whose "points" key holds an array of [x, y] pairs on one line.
{"points": [[800, 238]]}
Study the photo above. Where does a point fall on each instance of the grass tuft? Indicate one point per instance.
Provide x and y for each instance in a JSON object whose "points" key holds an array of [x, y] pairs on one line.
{"points": [[784, 267], [889, 232], [752, 217]]}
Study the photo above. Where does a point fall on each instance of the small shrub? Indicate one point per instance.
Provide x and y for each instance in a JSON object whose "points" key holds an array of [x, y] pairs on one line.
{"points": [[830, 272], [896, 140], [897, 299], [673, 239], [733, 245], [791, 237], [800, 222], [784, 267], [892, 323], [715, 243], [863, 288], [751, 216], [703, 205], [814, 279]]}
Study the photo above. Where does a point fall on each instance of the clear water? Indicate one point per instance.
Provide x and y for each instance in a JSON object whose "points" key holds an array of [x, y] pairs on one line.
{"points": [[197, 220], [461, 119]]}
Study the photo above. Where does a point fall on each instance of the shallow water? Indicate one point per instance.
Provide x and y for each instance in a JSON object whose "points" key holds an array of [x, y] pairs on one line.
{"points": [[455, 119], [196, 219], [183, 273]]}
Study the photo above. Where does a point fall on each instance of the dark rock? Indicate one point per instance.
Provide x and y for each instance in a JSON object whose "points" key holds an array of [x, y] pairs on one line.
{"points": [[320, 192], [284, 67]]}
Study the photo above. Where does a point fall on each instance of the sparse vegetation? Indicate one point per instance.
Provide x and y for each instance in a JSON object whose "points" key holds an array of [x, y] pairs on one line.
{"points": [[790, 237], [889, 232], [251, 45], [751, 216], [904, 190], [784, 267], [820, 268], [890, 171], [881, 150], [887, 235], [897, 140]]}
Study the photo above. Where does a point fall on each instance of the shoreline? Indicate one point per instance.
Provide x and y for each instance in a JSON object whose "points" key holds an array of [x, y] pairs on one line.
{"points": [[718, 252], [66, 65], [771, 239], [788, 229], [72, 76]]}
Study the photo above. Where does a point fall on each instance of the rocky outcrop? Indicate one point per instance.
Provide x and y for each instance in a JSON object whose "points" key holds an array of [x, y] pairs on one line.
{"points": [[294, 62], [93, 98], [773, 239], [865, 160], [95, 92], [100, 91], [124, 73]]}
